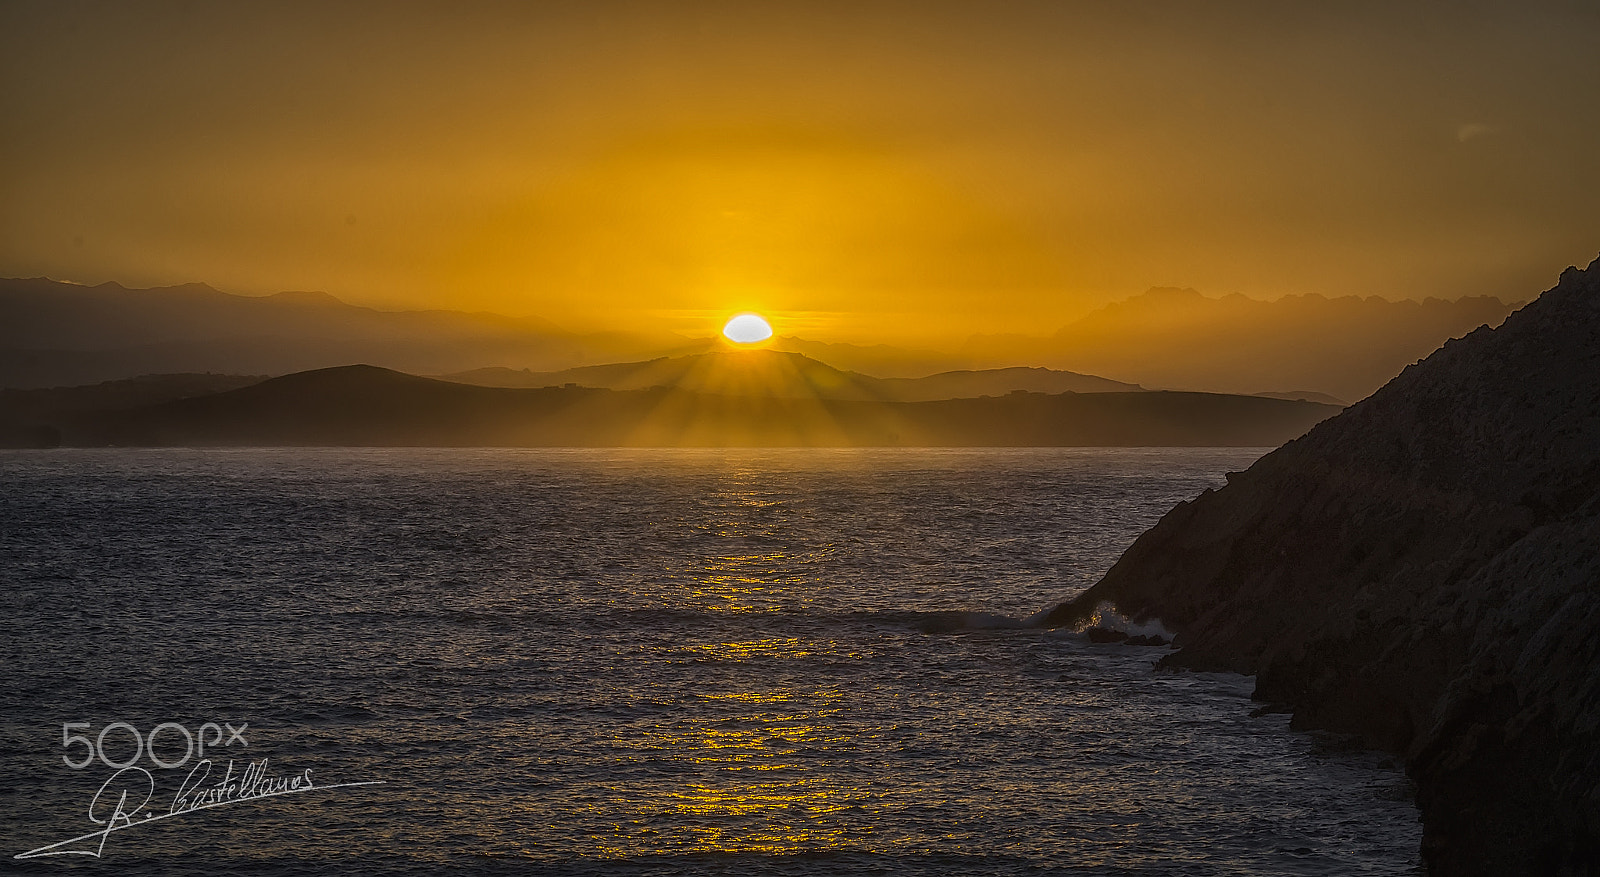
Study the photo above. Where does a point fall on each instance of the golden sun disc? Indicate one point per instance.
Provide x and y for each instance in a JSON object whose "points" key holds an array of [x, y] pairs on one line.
{"points": [[747, 329]]}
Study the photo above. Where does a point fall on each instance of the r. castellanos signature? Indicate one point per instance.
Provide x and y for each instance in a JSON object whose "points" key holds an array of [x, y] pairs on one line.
{"points": [[120, 804]]}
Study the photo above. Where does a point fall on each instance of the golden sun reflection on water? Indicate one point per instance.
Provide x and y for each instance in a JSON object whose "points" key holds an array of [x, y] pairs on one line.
{"points": [[742, 515], [740, 582], [749, 789], [781, 807], [754, 765]]}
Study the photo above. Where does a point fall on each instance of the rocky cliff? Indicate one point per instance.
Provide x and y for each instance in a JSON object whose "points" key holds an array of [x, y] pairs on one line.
{"points": [[1424, 571]]}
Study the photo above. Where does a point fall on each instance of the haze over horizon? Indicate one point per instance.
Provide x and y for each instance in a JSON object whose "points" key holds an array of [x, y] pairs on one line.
{"points": [[61, 334], [882, 173]]}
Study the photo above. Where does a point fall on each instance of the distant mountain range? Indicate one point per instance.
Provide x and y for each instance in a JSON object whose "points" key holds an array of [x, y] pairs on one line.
{"points": [[1177, 338], [1309, 347], [63, 334], [774, 373], [368, 406]]}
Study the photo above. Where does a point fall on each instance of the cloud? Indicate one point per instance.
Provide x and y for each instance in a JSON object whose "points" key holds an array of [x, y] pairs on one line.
{"points": [[1472, 131]]}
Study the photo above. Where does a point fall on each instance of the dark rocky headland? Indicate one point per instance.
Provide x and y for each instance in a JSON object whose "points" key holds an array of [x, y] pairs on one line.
{"points": [[1423, 571]]}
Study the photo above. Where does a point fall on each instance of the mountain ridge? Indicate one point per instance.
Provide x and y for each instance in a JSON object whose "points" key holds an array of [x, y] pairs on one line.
{"points": [[364, 405]]}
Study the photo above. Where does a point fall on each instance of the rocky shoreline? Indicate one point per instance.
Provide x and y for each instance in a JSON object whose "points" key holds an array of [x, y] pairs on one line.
{"points": [[1422, 571]]}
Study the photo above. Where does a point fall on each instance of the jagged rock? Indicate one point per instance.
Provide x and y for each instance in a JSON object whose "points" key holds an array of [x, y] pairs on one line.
{"points": [[1423, 571]]}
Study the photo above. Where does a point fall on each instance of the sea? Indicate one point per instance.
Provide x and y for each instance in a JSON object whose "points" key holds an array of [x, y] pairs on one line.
{"points": [[640, 662]]}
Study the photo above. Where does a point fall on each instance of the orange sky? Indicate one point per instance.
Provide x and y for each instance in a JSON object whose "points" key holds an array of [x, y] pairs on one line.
{"points": [[861, 171]]}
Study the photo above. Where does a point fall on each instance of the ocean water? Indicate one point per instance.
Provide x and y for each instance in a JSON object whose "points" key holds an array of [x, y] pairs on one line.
{"points": [[633, 662]]}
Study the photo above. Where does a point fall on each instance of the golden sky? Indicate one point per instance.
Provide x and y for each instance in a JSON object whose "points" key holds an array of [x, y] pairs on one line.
{"points": [[907, 172]]}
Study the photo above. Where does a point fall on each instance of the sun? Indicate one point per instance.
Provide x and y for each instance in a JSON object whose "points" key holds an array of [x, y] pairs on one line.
{"points": [[747, 329]]}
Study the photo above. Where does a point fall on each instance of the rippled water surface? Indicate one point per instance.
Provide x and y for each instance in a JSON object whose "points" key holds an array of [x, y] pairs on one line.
{"points": [[641, 662]]}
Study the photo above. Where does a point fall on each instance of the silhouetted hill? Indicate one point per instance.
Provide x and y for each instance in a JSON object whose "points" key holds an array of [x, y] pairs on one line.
{"points": [[1343, 347], [363, 405], [1423, 570], [60, 334], [775, 373]]}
